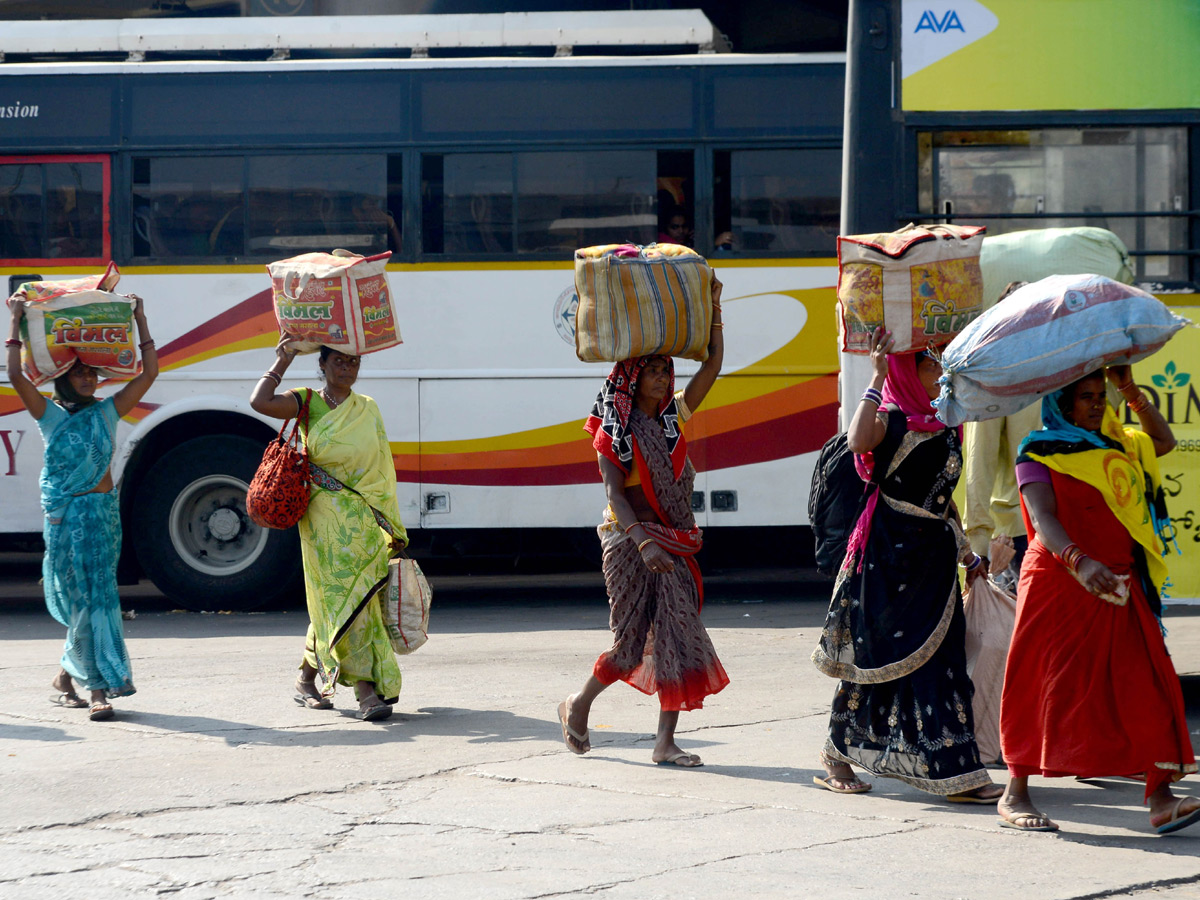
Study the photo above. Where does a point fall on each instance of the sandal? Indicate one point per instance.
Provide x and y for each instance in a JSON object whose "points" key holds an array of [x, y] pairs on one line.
{"points": [[98, 712], [70, 700], [372, 709], [683, 759], [308, 695], [577, 743], [851, 784], [1038, 822], [1176, 821], [975, 796]]}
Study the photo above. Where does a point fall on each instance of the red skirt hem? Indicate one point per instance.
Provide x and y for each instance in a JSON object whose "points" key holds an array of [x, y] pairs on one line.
{"points": [[672, 697]]}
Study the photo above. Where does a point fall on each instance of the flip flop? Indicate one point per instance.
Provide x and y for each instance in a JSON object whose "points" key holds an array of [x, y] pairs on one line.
{"points": [[70, 701], [677, 759], [1012, 823], [374, 713], [1177, 822], [310, 701], [972, 798], [857, 786], [584, 741], [98, 712]]}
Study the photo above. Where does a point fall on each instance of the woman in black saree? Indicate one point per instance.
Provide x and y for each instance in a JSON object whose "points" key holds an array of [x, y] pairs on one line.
{"points": [[895, 629]]}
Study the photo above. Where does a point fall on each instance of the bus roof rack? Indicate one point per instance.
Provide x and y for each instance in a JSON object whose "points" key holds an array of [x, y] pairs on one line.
{"points": [[560, 31]]}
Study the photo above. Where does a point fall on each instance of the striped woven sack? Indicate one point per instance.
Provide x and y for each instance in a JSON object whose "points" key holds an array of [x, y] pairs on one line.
{"points": [[638, 301]]}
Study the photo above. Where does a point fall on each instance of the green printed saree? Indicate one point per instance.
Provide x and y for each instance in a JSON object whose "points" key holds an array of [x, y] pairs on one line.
{"points": [[344, 549]]}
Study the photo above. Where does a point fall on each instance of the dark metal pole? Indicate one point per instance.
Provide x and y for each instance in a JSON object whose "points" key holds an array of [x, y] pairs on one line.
{"points": [[871, 177], [871, 149]]}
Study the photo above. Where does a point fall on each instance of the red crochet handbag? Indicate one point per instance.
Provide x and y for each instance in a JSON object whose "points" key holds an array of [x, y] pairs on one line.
{"points": [[278, 494]]}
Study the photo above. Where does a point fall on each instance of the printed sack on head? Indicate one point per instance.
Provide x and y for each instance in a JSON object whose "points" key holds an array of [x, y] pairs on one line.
{"points": [[77, 319], [922, 283], [1045, 336], [339, 299], [639, 301]]}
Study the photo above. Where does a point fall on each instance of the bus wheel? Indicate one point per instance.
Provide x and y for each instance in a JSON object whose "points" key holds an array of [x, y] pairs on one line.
{"points": [[193, 537]]}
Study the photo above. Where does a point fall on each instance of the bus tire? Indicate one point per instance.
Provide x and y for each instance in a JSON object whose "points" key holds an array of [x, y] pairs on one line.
{"points": [[193, 537]]}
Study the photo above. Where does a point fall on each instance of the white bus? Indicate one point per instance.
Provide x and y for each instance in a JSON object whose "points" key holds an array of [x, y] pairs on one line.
{"points": [[481, 175]]}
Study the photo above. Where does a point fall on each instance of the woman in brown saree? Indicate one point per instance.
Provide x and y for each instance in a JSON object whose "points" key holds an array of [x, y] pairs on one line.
{"points": [[649, 538]]}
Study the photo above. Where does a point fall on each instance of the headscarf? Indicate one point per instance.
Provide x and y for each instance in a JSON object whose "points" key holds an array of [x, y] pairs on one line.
{"points": [[1120, 463], [1057, 428], [609, 420], [65, 394], [904, 389]]}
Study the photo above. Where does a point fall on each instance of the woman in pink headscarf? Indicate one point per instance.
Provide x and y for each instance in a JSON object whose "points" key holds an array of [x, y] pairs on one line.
{"points": [[894, 636]]}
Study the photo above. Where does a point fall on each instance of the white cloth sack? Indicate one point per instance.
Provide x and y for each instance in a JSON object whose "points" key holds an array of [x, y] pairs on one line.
{"points": [[406, 606], [1043, 337], [1041, 252]]}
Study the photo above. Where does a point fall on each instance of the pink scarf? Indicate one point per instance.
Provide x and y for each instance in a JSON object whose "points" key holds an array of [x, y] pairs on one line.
{"points": [[903, 389]]}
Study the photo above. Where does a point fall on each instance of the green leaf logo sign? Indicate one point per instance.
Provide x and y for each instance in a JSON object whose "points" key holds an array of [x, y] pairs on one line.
{"points": [[1171, 378]]}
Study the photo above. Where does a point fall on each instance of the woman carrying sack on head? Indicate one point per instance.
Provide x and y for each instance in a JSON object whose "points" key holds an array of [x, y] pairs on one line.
{"points": [[895, 632], [649, 538], [1089, 688], [347, 534], [83, 520]]}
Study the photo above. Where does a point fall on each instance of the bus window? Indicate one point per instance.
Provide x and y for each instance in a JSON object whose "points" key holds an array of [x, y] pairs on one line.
{"points": [[467, 203], [52, 210], [579, 199], [777, 201], [188, 206], [676, 197], [306, 203], [1058, 177]]}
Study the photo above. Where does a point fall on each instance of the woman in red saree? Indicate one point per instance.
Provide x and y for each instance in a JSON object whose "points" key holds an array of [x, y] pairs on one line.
{"points": [[1089, 689], [649, 538]]}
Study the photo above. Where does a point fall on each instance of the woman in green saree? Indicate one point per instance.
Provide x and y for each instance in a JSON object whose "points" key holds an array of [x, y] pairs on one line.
{"points": [[347, 534]]}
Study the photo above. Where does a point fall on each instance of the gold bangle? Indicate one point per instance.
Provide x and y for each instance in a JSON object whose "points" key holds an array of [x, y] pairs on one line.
{"points": [[642, 545], [718, 325]]}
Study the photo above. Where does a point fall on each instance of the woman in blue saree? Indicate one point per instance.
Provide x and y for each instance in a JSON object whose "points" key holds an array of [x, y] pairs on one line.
{"points": [[83, 526]]}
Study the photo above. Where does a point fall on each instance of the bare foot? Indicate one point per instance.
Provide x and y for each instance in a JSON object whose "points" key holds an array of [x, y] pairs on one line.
{"points": [[1023, 816]]}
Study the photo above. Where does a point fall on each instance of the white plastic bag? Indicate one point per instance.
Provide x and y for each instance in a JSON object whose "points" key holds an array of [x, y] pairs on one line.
{"points": [[990, 613]]}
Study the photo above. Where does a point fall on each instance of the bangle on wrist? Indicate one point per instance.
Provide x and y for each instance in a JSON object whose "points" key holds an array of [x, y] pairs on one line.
{"points": [[12, 342], [642, 545], [634, 525], [148, 342], [274, 376], [974, 563], [872, 396], [1070, 556], [1138, 404]]}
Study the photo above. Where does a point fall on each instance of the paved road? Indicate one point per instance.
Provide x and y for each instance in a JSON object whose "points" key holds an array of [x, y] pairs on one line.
{"points": [[213, 783]]}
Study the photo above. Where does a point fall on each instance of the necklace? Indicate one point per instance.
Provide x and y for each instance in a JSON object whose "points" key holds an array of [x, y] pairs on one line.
{"points": [[333, 404]]}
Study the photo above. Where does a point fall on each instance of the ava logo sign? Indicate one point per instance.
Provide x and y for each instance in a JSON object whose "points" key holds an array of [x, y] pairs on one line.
{"points": [[949, 22], [935, 29]]}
